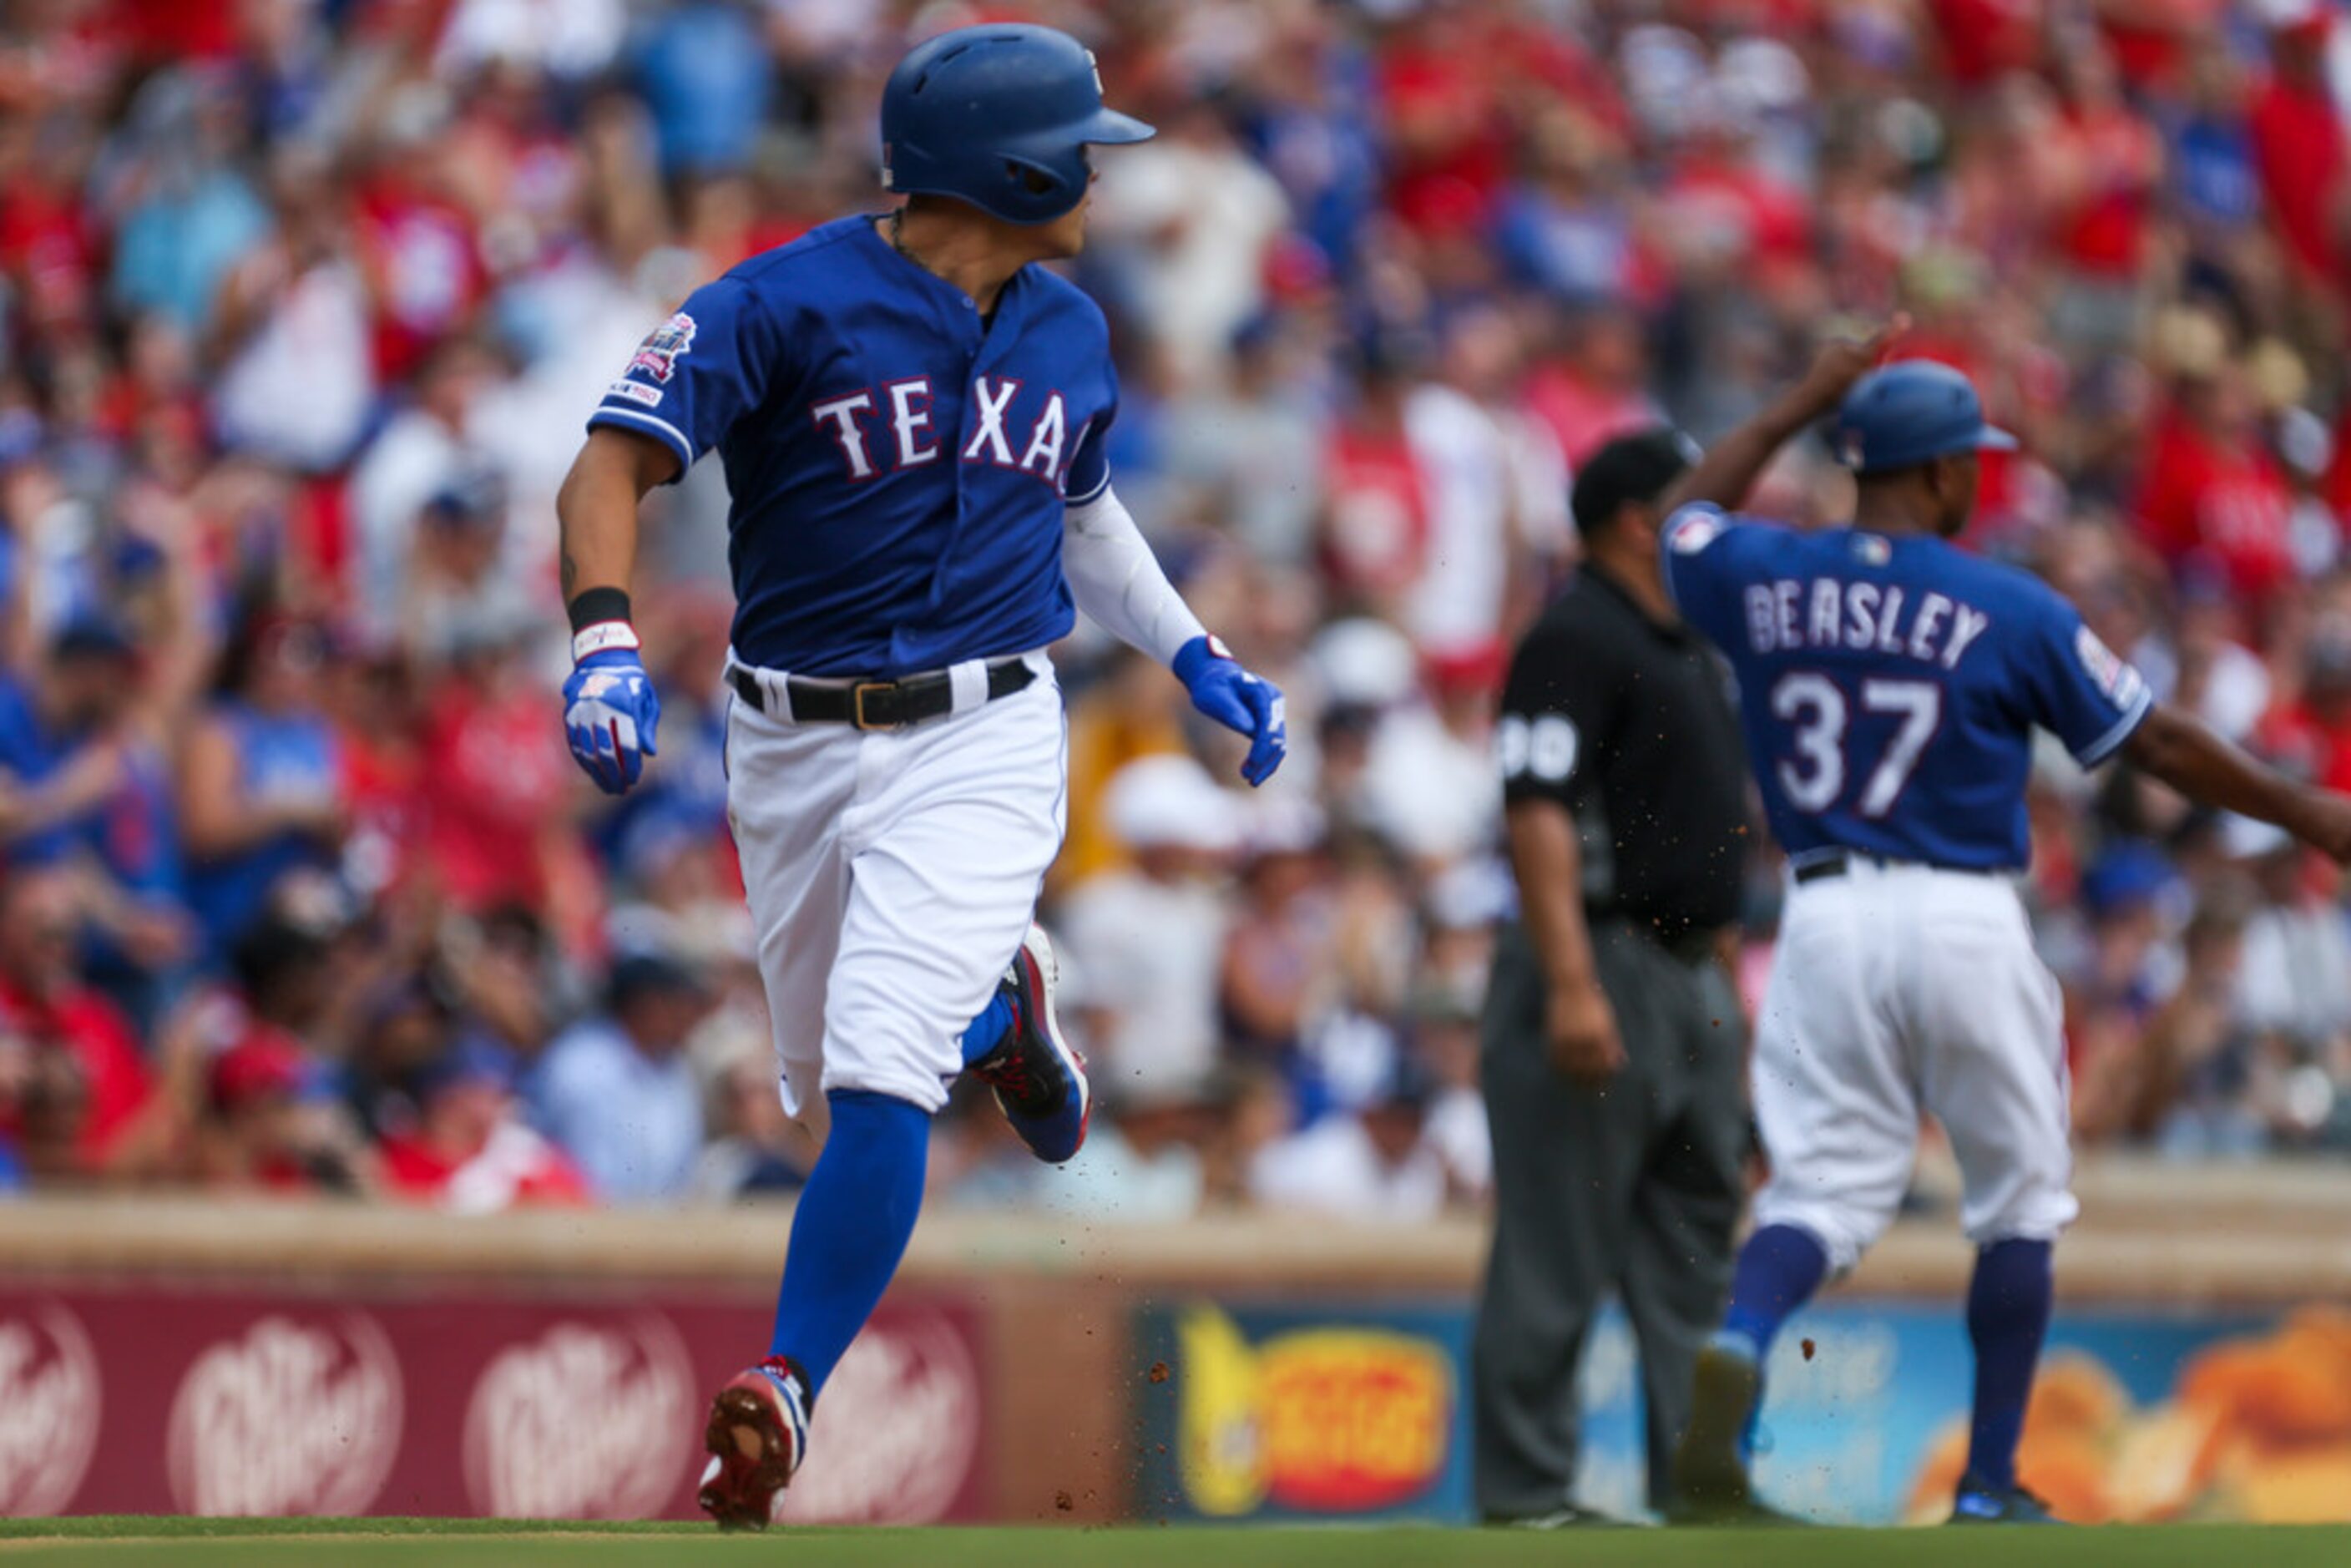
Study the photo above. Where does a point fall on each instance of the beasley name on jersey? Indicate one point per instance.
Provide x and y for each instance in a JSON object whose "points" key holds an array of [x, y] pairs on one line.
{"points": [[898, 467], [1889, 686]]}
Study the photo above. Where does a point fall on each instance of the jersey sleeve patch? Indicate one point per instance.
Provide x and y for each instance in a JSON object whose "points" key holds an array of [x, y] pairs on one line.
{"points": [[1693, 527], [2105, 668], [2121, 685], [666, 344]]}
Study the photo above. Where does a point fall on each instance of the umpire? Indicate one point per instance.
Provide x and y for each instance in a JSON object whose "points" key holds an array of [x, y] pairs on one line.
{"points": [[1613, 1037]]}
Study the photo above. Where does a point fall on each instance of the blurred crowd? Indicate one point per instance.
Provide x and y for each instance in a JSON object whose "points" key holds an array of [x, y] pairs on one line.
{"points": [[302, 303]]}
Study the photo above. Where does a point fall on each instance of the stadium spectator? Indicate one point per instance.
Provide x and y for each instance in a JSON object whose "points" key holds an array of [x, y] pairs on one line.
{"points": [[262, 788], [302, 304], [90, 1106], [1150, 938], [16, 1077], [1376, 1165], [470, 1150], [755, 1150], [617, 1091]]}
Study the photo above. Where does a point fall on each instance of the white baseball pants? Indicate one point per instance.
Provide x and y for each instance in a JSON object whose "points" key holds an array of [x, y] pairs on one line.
{"points": [[892, 875], [1897, 989]]}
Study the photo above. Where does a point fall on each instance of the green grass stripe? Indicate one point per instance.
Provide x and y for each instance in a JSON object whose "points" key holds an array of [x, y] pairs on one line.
{"points": [[496, 1543]]}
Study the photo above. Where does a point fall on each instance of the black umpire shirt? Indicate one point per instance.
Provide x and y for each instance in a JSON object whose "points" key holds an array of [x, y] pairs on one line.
{"points": [[1627, 722]]}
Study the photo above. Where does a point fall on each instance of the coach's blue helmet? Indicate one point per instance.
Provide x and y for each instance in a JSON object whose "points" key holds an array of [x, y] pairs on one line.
{"points": [[1000, 117], [1912, 412]]}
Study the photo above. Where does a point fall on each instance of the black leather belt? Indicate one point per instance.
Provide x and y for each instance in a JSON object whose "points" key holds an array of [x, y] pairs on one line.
{"points": [[1840, 862], [879, 705]]}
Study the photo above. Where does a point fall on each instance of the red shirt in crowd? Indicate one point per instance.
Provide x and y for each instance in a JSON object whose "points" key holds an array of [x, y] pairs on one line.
{"points": [[2298, 148], [1986, 39], [516, 1165], [1453, 149], [2226, 499], [427, 268], [2105, 233], [1378, 536], [85, 1025], [2152, 39], [499, 777]]}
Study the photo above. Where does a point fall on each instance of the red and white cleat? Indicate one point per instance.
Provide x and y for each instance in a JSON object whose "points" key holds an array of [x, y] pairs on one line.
{"points": [[757, 1436]]}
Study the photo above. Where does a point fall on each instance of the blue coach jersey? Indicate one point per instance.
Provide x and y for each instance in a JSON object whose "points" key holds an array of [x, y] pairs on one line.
{"points": [[1889, 687], [898, 466]]}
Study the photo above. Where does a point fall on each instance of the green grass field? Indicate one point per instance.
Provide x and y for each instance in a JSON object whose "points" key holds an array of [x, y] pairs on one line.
{"points": [[466, 1543]]}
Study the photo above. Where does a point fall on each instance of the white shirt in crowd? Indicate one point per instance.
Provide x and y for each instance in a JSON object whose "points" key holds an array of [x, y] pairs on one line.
{"points": [[2296, 976], [299, 390], [1432, 792], [1153, 954], [1333, 1167], [1456, 604], [1204, 213]]}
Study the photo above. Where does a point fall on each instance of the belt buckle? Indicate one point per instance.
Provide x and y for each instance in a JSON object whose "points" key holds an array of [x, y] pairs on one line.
{"points": [[857, 694]]}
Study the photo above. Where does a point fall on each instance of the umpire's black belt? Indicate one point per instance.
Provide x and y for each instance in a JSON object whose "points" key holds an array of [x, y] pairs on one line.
{"points": [[877, 705]]}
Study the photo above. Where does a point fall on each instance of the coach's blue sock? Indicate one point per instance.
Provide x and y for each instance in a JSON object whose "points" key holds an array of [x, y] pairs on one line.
{"points": [[988, 1029], [2008, 1315], [1779, 1269], [851, 1228]]}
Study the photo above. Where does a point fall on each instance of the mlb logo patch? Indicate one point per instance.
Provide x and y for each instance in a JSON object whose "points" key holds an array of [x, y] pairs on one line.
{"points": [[1695, 532], [1872, 550], [2116, 679], [658, 355], [1849, 449]]}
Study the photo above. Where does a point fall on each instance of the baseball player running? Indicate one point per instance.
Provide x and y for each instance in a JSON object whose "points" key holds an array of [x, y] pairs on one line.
{"points": [[1889, 685], [912, 419]]}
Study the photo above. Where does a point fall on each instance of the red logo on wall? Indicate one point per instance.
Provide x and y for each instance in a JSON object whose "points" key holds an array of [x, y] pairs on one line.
{"points": [[530, 1454], [290, 1416], [49, 1404]]}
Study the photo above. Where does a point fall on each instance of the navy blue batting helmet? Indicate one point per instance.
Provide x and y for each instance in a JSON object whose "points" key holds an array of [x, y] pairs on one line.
{"points": [[1000, 117], [1912, 412]]}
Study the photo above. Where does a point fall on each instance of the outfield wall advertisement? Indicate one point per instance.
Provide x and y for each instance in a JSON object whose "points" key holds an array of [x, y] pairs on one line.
{"points": [[443, 1401], [1258, 1410]]}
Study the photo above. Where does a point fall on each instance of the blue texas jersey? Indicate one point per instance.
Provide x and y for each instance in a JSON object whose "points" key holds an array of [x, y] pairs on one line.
{"points": [[1889, 686], [898, 466]]}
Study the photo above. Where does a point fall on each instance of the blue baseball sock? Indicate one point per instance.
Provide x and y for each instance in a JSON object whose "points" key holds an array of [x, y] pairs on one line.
{"points": [[851, 1228], [988, 1029], [2008, 1315], [1779, 1269]]}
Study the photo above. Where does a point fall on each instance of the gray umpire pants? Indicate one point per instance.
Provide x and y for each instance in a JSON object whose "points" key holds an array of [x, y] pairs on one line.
{"points": [[1634, 1189]]}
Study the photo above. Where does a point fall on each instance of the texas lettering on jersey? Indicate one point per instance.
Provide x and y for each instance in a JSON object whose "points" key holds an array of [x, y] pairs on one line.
{"points": [[898, 467], [857, 421]]}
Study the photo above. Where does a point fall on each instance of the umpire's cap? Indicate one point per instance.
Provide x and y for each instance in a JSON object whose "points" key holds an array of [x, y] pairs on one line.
{"points": [[1912, 412], [1630, 469], [999, 115]]}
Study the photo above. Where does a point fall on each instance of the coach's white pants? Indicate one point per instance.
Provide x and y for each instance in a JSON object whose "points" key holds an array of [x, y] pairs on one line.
{"points": [[1897, 989], [892, 875]]}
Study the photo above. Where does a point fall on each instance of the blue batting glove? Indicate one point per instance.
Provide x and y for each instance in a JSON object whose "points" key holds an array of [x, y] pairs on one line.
{"points": [[1240, 701], [609, 714]]}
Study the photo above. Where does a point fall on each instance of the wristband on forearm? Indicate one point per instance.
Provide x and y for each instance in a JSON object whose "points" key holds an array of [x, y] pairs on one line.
{"points": [[599, 620]]}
